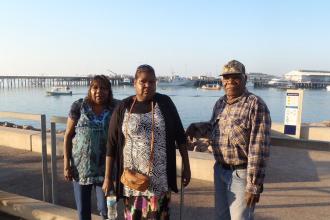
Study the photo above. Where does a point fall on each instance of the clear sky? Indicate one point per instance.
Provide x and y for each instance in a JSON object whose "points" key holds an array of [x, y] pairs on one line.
{"points": [[186, 37]]}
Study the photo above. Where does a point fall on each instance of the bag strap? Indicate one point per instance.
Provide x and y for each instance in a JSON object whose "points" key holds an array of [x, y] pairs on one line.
{"points": [[152, 141]]}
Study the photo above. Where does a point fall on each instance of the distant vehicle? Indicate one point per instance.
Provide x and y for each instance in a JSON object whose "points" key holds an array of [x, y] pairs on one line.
{"points": [[59, 90], [176, 81], [212, 86], [328, 88]]}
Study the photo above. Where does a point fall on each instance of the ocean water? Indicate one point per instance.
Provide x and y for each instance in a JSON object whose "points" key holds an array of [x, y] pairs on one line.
{"points": [[194, 105]]}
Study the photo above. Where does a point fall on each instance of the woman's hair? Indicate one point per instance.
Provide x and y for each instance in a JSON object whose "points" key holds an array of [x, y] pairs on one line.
{"points": [[105, 82], [145, 68]]}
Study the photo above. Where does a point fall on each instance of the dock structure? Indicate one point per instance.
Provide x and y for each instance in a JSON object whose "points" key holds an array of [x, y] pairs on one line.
{"points": [[42, 81], [45, 81], [260, 82], [302, 79], [202, 82], [312, 79], [298, 85], [310, 85]]}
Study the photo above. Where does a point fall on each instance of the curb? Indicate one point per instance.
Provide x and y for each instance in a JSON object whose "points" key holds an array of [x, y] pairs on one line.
{"points": [[32, 209]]}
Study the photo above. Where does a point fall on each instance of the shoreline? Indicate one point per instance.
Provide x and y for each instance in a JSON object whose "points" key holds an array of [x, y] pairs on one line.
{"points": [[26, 127]]}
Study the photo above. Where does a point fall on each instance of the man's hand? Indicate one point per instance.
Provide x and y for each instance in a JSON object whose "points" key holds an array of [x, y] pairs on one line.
{"points": [[251, 199]]}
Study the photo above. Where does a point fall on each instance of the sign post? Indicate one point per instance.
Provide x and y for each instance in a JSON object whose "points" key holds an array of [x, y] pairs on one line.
{"points": [[293, 111]]}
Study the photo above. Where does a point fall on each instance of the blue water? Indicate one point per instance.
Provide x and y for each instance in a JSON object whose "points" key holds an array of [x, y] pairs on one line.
{"points": [[193, 104]]}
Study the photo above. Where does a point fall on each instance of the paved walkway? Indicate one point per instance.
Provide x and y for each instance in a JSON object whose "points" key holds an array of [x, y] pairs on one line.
{"points": [[298, 185], [4, 216]]}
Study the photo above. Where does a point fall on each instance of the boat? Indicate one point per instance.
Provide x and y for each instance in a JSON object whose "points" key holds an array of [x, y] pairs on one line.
{"points": [[59, 90], [280, 83], [212, 86], [328, 88], [126, 81], [175, 81]]}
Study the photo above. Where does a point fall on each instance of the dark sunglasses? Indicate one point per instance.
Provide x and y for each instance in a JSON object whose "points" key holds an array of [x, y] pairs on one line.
{"points": [[232, 76]]}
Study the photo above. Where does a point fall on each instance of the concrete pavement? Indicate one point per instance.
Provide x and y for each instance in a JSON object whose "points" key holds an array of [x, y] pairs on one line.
{"points": [[297, 185]]}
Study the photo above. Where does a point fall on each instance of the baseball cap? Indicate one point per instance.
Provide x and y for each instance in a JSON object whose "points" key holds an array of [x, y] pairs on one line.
{"points": [[233, 67]]}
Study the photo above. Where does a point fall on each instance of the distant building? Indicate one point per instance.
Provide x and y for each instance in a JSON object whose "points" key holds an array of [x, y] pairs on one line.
{"points": [[308, 76]]}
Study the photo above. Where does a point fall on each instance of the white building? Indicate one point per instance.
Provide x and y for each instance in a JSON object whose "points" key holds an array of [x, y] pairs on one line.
{"points": [[308, 76]]}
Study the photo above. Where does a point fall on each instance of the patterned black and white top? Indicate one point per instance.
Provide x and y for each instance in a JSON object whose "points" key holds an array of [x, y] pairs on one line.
{"points": [[137, 148]]}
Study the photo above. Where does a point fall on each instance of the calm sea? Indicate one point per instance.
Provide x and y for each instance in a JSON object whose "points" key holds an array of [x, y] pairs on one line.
{"points": [[193, 104]]}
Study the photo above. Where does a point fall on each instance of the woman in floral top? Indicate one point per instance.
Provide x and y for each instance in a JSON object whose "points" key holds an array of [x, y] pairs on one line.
{"points": [[144, 133], [85, 145]]}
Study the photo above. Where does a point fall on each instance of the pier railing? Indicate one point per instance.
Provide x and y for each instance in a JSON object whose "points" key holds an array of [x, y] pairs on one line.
{"points": [[53, 121], [42, 119]]}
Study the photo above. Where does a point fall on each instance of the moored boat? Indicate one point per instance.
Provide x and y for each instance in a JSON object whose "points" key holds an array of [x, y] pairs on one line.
{"points": [[328, 88], [59, 90], [126, 81], [281, 84], [211, 87], [175, 81]]}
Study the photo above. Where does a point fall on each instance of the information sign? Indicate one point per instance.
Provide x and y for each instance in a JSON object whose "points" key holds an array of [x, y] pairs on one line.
{"points": [[293, 110]]}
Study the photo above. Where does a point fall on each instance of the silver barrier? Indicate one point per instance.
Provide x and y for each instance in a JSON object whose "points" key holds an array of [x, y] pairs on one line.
{"points": [[53, 121], [42, 119]]}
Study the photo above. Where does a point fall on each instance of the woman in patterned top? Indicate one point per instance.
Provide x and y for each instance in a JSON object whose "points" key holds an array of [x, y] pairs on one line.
{"points": [[144, 123], [85, 145]]}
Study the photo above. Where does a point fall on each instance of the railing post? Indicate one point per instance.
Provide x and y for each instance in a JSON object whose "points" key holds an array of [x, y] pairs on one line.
{"points": [[45, 179], [53, 121], [53, 164]]}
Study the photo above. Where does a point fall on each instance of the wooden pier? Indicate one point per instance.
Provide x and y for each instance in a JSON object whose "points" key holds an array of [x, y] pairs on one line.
{"points": [[311, 85], [296, 85], [46, 81]]}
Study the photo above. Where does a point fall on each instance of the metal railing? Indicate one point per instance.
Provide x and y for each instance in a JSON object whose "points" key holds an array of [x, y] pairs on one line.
{"points": [[53, 121], [42, 119]]}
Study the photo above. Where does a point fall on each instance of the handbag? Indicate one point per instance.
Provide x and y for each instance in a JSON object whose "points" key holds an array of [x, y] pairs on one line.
{"points": [[133, 179]]}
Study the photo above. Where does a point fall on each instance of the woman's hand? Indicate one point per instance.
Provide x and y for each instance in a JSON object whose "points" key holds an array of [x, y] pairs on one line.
{"points": [[107, 186], [69, 133], [186, 175], [67, 170]]}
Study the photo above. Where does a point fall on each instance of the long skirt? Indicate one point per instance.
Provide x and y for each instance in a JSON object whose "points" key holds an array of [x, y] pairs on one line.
{"points": [[147, 208]]}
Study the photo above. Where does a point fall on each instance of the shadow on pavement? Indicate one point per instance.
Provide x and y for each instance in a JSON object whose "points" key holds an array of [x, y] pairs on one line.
{"points": [[291, 165]]}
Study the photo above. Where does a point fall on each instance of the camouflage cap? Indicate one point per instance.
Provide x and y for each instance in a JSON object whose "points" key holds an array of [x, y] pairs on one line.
{"points": [[233, 67]]}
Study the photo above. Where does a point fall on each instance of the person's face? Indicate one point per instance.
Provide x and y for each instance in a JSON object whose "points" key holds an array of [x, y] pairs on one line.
{"points": [[145, 86], [99, 93], [234, 84]]}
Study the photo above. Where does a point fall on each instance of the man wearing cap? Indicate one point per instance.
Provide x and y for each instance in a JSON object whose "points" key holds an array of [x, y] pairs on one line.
{"points": [[240, 138]]}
